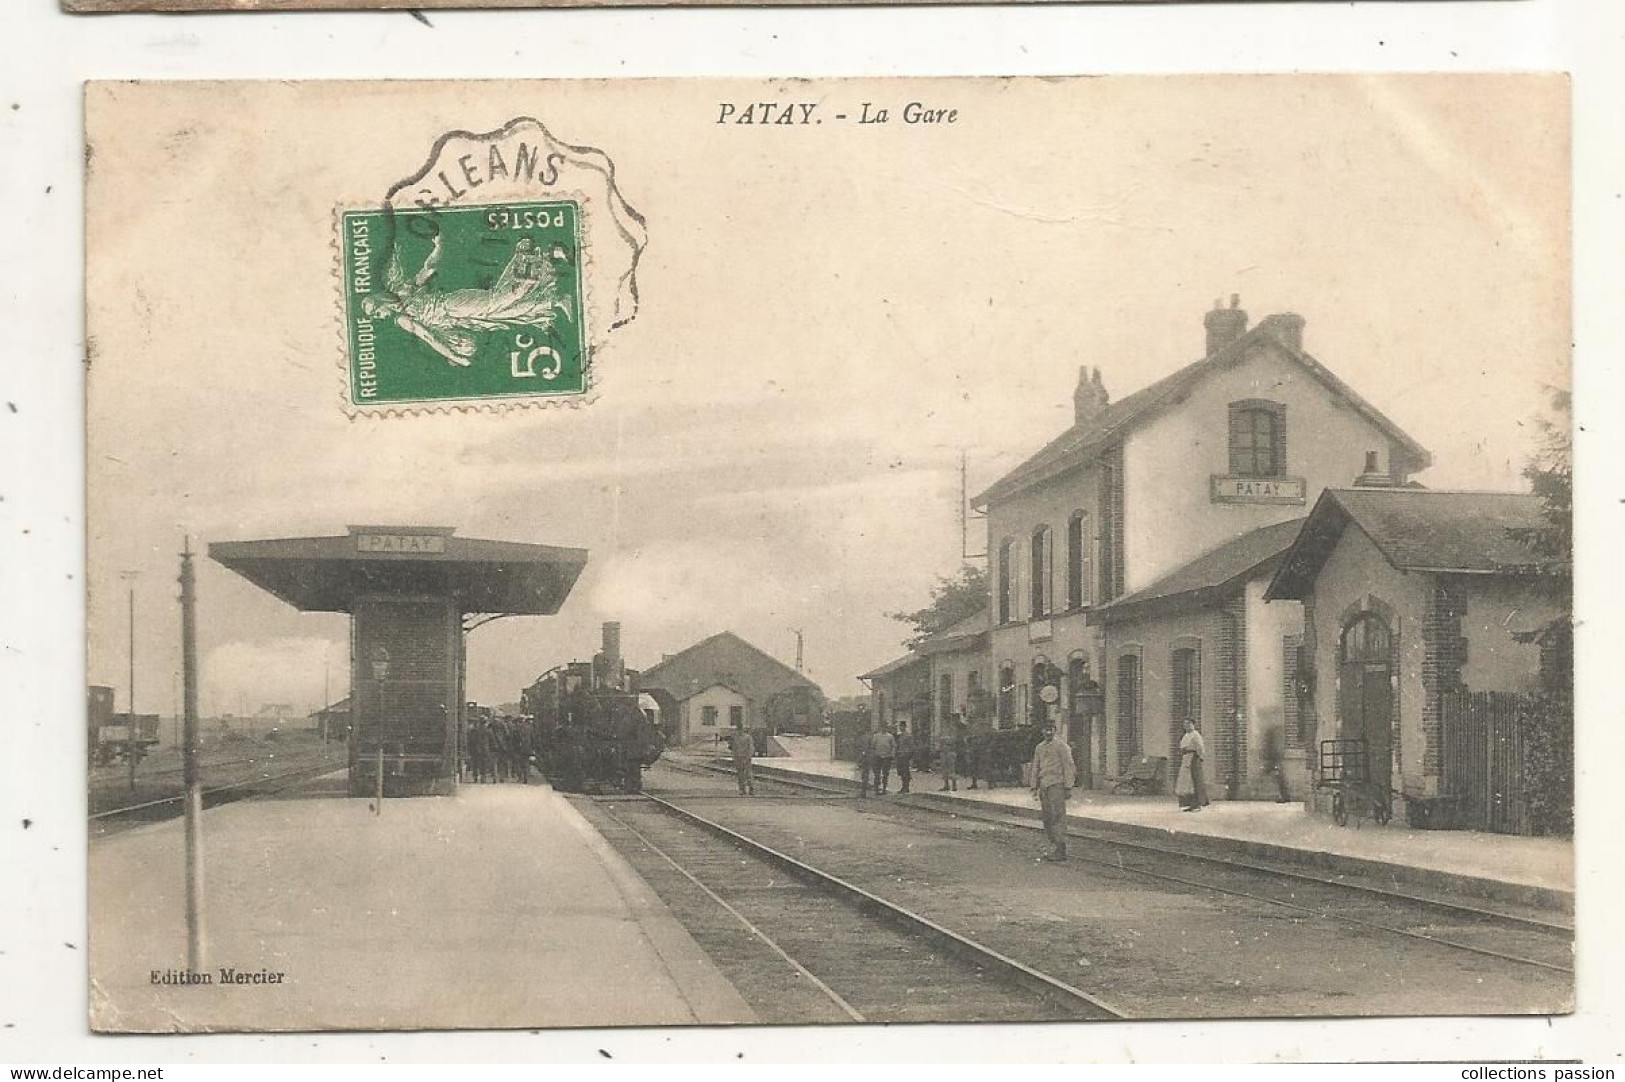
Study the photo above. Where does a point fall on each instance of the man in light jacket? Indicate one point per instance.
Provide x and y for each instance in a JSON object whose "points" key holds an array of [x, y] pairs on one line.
{"points": [[1053, 778], [882, 749]]}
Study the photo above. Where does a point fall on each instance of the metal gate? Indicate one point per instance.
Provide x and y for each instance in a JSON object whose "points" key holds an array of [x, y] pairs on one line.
{"points": [[1484, 762]]}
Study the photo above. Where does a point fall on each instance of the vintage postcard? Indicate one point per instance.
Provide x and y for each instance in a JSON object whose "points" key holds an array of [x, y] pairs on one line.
{"points": [[640, 553]]}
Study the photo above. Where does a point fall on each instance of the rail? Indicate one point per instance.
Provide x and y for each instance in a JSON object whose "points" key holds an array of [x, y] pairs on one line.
{"points": [[299, 774], [960, 946], [1367, 890]]}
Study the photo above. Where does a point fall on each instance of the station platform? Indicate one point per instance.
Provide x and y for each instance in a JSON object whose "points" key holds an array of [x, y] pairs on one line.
{"points": [[1512, 870], [497, 908]]}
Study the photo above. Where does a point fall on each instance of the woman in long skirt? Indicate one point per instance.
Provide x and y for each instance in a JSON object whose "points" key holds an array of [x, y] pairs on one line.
{"points": [[1191, 785]]}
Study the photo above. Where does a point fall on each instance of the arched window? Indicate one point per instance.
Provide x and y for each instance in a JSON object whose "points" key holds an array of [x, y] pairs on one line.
{"points": [[1366, 641], [1043, 573], [1077, 559], [1044, 674], [1006, 571], [1130, 734], [1257, 439], [1077, 683]]}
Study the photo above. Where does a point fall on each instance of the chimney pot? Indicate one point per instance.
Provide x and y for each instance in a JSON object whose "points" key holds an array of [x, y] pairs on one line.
{"points": [[1371, 478], [1089, 397], [1224, 325]]}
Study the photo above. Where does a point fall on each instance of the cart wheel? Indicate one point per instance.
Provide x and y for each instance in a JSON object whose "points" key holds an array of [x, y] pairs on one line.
{"points": [[1340, 810]]}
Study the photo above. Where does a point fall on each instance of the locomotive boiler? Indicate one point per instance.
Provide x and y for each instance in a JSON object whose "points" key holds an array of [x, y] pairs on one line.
{"points": [[593, 731]]}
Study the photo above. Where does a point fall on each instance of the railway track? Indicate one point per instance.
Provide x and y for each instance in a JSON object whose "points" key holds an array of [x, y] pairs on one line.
{"points": [[851, 955], [173, 804], [1519, 939]]}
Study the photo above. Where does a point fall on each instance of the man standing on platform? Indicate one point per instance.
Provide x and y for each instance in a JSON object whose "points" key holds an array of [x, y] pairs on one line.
{"points": [[882, 749], [744, 746], [905, 756], [1053, 777], [479, 750]]}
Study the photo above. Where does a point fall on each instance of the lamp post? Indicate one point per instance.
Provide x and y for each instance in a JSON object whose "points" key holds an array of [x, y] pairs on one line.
{"points": [[195, 938], [380, 673]]}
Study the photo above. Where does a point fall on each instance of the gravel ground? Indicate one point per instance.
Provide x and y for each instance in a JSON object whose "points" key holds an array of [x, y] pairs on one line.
{"points": [[1154, 949]]}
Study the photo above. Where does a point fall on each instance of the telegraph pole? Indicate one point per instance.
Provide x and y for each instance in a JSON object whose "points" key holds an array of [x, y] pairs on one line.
{"points": [[965, 514], [130, 743], [194, 788]]}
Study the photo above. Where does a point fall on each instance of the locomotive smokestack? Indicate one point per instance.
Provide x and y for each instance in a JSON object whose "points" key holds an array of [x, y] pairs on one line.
{"points": [[611, 668]]}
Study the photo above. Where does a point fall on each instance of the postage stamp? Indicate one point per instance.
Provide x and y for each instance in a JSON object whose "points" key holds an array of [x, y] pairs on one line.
{"points": [[464, 302], [489, 278]]}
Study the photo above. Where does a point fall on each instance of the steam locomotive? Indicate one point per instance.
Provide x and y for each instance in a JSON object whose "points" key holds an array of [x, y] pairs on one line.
{"points": [[593, 731]]}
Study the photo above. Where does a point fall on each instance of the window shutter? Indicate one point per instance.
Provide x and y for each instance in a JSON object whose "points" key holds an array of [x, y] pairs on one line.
{"points": [[1280, 441]]}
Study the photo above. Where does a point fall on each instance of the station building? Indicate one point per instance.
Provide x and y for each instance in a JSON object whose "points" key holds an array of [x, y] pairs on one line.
{"points": [[944, 675], [1129, 557]]}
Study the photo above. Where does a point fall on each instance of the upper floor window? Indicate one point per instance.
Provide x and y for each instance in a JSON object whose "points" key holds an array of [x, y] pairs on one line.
{"points": [[1257, 439], [1006, 575], [1077, 559], [1043, 573]]}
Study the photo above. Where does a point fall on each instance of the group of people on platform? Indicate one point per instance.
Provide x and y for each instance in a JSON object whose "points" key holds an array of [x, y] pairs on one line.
{"points": [[1052, 772], [499, 749], [886, 749]]}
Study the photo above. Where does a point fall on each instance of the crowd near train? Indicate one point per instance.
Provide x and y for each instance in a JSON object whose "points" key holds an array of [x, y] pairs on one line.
{"points": [[583, 727]]}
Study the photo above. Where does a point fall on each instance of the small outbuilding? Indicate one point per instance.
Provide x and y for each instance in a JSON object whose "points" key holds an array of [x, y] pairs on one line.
{"points": [[1428, 635], [723, 680]]}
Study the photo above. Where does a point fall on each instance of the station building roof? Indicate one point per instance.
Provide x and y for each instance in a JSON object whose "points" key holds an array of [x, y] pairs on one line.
{"points": [[1424, 530], [1086, 440], [895, 666], [328, 574], [1208, 579]]}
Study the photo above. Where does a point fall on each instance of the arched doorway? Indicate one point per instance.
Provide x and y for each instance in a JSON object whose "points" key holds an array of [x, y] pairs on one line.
{"points": [[1366, 692]]}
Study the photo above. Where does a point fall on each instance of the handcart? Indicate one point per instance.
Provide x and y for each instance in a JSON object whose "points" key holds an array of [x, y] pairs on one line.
{"points": [[1345, 770]]}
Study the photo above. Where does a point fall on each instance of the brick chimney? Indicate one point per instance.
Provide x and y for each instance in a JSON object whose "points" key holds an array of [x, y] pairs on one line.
{"points": [[1224, 325], [1089, 397], [1287, 328], [1371, 478]]}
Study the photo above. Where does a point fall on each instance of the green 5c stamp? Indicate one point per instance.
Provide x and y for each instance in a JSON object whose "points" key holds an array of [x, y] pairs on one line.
{"points": [[464, 302], [490, 278]]}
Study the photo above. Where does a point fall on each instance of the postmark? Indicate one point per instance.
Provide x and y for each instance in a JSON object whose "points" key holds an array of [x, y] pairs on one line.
{"points": [[490, 278]]}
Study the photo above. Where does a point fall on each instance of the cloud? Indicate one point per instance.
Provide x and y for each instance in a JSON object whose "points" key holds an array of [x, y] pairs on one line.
{"points": [[240, 677]]}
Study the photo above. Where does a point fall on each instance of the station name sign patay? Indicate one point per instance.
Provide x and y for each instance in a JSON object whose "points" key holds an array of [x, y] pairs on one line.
{"points": [[1257, 489], [401, 543]]}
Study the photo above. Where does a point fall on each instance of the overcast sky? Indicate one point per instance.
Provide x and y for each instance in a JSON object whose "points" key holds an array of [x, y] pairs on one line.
{"points": [[827, 323]]}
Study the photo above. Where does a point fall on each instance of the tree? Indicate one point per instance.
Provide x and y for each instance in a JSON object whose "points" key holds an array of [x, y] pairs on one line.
{"points": [[1550, 472], [953, 598]]}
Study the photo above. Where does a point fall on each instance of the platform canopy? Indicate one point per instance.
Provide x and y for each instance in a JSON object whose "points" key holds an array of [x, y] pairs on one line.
{"points": [[328, 574]]}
